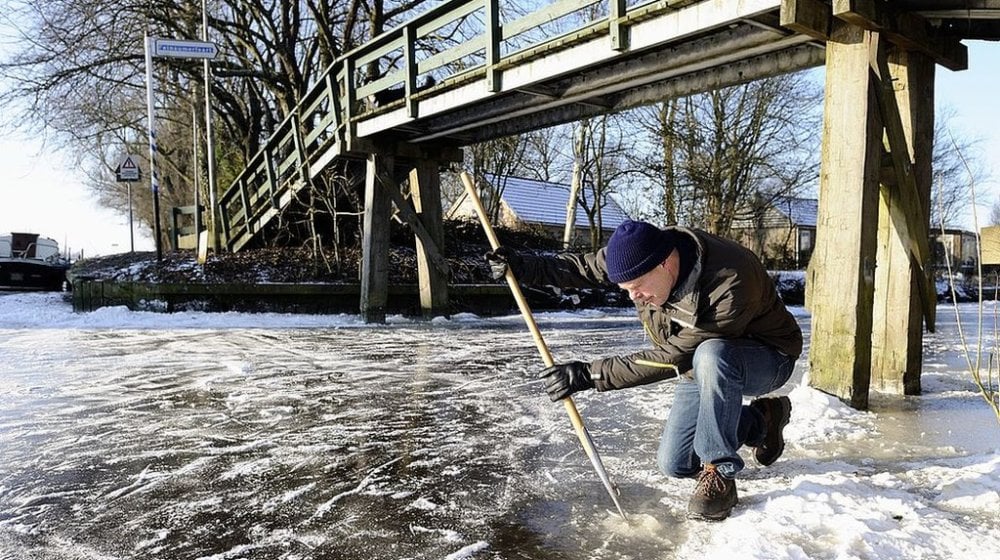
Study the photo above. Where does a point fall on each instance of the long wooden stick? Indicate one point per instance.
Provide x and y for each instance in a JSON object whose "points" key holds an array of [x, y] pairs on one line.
{"points": [[543, 349]]}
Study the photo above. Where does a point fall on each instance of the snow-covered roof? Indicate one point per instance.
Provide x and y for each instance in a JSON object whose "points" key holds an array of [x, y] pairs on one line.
{"points": [[541, 202], [800, 211]]}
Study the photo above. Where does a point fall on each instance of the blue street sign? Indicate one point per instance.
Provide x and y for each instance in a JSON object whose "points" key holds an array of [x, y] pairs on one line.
{"points": [[175, 48]]}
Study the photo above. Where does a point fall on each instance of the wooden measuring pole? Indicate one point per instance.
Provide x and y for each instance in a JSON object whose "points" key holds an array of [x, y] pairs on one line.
{"points": [[543, 349]]}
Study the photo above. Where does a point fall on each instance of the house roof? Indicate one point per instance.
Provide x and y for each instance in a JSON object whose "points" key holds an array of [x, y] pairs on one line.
{"points": [[800, 211], [541, 202]]}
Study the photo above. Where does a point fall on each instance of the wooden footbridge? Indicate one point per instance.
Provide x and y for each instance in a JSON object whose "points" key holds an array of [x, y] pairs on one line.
{"points": [[467, 71]]}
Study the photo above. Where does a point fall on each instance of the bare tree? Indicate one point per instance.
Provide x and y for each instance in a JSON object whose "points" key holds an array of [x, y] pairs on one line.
{"points": [[995, 213], [77, 74], [956, 166], [500, 158], [716, 155], [603, 165], [545, 157], [656, 164]]}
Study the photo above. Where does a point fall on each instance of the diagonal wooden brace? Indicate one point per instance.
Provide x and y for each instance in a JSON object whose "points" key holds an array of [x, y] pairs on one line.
{"points": [[413, 220], [905, 182]]}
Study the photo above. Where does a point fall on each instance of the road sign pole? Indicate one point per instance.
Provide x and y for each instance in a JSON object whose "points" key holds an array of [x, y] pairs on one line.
{"points": [[180, 48], [196, 176], [131, 228], [151, 116], [213, 232]]}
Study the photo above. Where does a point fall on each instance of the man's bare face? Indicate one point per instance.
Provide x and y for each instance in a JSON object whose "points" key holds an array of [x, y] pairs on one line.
{"points": [[655, 286]]}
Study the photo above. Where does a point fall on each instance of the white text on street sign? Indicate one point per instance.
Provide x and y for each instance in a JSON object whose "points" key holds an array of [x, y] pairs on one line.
{"points": [[175, 48]]}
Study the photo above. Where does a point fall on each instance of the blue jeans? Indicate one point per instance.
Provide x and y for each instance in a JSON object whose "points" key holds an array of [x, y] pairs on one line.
{"points": [[708, 422]]}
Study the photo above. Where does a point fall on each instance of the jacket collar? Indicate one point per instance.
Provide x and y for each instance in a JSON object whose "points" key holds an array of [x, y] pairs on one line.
{"points": [[686, 295]]}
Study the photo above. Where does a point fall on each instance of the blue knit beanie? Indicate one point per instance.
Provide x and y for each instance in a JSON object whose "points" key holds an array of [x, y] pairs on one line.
{"points": [[635, 248]]}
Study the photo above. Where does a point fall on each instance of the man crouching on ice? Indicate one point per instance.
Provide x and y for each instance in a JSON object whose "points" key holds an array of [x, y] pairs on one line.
{"points": [[715, 319]]}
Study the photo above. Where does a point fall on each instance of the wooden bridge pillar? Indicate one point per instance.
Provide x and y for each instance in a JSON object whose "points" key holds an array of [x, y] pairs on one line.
{"points": [[842, 270], [897, 339], [375, 244], [425, 191], [869, 292]]}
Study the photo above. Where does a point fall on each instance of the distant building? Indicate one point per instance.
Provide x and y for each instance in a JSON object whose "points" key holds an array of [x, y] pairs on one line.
{"points": [[784, 236], [528, 204], [956, 246], [990, 239], [784, 233]]}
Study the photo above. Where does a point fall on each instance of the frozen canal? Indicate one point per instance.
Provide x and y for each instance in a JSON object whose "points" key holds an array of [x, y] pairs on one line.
{"points": [[410, 440]]}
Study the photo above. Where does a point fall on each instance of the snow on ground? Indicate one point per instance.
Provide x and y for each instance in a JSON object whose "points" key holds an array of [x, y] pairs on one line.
{"points": [[268, 436]]}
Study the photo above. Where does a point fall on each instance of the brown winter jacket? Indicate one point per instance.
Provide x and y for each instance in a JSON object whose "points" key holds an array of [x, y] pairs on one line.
{"points": [[728, 294]]}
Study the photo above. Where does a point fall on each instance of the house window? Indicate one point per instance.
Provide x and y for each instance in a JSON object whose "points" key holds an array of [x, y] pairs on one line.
{"points": [[806, 240]]}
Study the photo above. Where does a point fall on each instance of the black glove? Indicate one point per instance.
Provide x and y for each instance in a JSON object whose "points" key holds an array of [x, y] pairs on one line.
{"points": [[501, 259], [562, 380]]}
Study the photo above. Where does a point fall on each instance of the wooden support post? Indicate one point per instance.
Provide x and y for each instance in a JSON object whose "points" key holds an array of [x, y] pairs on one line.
{"points": [[245, 199], [410, 63], [618, 32], [425, 191], [375, 244], [908, 30], [843, 267], [226, 235], [909, 199], [350, 104], [494, 35], [301, 151], [332, 96], [410, 216], [897, 337], [272, 180], [810, 17]]}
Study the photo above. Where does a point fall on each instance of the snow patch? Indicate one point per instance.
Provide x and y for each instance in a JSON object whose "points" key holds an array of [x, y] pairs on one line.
{"points": [[468, 551]]}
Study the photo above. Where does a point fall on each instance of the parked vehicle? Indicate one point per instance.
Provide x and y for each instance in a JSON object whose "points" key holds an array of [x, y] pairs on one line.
{"points": [[31, 262]]}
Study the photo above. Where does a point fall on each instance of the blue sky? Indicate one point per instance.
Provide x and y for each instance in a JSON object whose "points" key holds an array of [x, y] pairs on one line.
{"points": [[42, 190], [972, 95]]}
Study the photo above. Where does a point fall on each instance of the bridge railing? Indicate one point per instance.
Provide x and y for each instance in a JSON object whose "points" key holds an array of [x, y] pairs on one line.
{"points": [[454, 43], [285, 163]]}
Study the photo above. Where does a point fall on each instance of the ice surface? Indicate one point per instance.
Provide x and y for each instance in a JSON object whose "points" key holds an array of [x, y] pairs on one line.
{"points": [[230, 436]]}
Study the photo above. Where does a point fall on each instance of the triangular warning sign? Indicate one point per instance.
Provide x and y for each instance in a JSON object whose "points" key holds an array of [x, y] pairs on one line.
{"points": [[128, 169]]}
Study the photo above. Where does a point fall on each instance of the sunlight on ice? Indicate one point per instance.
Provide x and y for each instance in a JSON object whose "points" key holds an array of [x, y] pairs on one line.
{"points": [[638, 525], [468, 552]]}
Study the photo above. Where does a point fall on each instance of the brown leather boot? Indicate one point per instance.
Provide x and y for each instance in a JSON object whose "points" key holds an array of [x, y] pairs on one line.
{"points": [[714, 497], [776, 412]]}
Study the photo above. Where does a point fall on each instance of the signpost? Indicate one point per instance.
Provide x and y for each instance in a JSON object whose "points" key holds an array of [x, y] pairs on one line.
{"points": [[128, 172], [172, 48], [210, 144]]}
